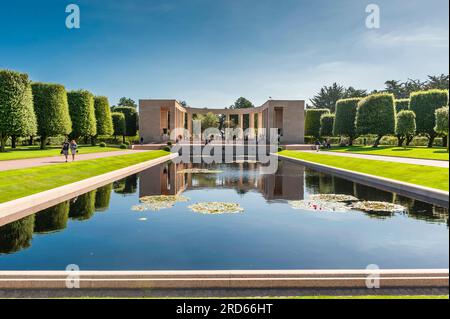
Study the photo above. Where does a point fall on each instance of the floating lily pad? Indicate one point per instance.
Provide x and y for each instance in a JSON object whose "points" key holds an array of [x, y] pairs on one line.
{"points": [[333, 198], [378, 207], [199, 171], [156, 203], [319, 205], [216, 208]]}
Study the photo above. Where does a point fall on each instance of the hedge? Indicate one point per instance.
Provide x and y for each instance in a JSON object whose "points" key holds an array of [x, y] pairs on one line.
{"points": [[83, 207], [312, 121], [376, 115], [52, 111], [17, 116], [102, 198], [103, 116], [425, 104], [130, 119], [82, 113], [442, 122], [52, 219], [118, 120], [326, 125], [401, 105], [17, 235], [344, 123], [405, 127]]}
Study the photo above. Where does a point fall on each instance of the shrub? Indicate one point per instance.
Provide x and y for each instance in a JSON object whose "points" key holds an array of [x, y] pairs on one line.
{"points": [[424, 104], [52, 111], [130, 119], [401, 105], [406, 127], [82, 113], [102, 144], [118, 120], [312, 121], [326, 125], [126, 143], [376, 115], [103, 116], [123, 146], [167, 148], [442, 122], [17, 116], [280, 148], [344, 123], [169, 143]]}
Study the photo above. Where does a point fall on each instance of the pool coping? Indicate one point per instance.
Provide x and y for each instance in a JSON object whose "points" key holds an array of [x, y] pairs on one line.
{"points": [[25, 206], [232, 279], [427, 194]]}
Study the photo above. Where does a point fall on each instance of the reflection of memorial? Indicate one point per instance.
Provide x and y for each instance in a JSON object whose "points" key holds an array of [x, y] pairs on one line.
{"points": [[169, 179]]}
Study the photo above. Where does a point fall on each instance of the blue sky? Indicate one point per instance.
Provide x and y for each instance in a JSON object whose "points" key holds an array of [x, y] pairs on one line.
{"points": [[210, 52]]}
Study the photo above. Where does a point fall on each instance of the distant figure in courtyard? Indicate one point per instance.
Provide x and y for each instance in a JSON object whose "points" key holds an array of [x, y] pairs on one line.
{"points": [[73, 149], [141, 141], [65, 149], [328, 144], [317, 144]]}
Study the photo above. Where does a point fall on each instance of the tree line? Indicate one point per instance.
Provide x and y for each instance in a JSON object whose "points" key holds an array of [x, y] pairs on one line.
{"points": [[29, 109]]}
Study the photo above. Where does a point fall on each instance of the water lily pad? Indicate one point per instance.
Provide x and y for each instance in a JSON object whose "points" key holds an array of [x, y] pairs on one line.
{"points": [[156, 203], [199, 171], [216, 208], [319, 205], [333, 198], [378, 207]]}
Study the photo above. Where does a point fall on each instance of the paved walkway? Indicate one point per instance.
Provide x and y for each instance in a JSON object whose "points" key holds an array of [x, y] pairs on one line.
{"points": [[34, 162], [404, 160]]}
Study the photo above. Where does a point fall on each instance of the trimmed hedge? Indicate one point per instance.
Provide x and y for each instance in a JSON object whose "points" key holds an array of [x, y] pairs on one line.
{"points": [[401, 105], [17, 235], [118, 120], [17, 116], [102, 198], [326, 125], [83, 207], [52, 219], [376, 115], [131, 118], [406, 127], [312, 121], [103, 116], [425, 104], [344, 123], [442, 122], [82, 113], [52, 110]]}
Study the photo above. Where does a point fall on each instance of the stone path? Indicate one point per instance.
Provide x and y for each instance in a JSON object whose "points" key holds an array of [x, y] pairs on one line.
{"points": [[415, 161], [34, 162]]}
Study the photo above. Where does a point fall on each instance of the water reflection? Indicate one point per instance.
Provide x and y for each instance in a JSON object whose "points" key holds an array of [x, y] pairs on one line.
{"points": [[102, 198], [52, 219], [16, 235], [83, 206], [126, 186]]}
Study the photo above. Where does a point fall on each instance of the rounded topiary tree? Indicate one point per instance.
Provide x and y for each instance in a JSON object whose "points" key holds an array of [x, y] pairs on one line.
{"points": [[82, 113], [312, 121], [17, 116], [344, 123], [131, 119], [405, 127], [118, 120], [17, 235], [442, 122], [102, 198], [326, 125], [52, 110], [103, 116], [52, 219], [83, 207], [425, 104], [376, 115], [401, 105]]}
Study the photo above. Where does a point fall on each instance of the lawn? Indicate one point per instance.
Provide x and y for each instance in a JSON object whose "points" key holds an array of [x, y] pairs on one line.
{"points": [[436, 153], [34, 152], [434, 177], [23, 182]]}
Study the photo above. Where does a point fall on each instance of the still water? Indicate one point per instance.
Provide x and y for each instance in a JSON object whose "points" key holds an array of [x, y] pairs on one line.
{"points": [[104, 230]]}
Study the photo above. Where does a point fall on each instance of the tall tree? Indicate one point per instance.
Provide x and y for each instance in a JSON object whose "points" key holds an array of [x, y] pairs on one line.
{"points": [[439, 82], [442, 122], [125, 101], [82, 113], [329, 95], [103, 115], [131, 119], [118, 120], [344, 123], [17, 116], [52, 111], [242, 103]]}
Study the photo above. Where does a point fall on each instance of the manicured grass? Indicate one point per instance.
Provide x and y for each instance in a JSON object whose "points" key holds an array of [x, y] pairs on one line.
{"points": [[23, 182], [34, 152], [435, 153], [434, 177]]}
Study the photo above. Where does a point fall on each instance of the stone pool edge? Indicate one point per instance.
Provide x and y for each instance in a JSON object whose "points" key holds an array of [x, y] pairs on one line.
{"points": [[426, 194], [25, 206], [232, 279]]}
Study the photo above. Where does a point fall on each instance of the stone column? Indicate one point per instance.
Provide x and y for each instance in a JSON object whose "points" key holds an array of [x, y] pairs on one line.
{"points": [[241, 125], [260, 124], [189, 123], [251, 118]]}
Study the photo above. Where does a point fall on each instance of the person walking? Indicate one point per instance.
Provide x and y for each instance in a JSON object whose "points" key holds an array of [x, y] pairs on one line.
{"points": [[65, 149], [73, 149]]}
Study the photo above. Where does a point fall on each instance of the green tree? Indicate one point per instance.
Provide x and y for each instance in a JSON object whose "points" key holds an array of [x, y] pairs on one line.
{"points": [[17, 116], [52, 111], [118, 120], [401, 105], [344, 123], [242, 103], [438, 82], [52, 219], [102, 198], [425, 104], [312, 121], [405, 127], [209, 120], [131, 118], [17, 235], [442, 122], [376, 115], [82, 113], [329, 95], [103, 116], [127, 102], [326, 125], [83, 206]]}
